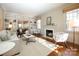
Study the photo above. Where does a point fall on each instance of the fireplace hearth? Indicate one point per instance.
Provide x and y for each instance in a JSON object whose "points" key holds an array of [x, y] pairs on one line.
{"points": [[49, 33]]}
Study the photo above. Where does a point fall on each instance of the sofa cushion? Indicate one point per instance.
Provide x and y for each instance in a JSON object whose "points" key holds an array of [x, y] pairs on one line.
{"points": [[4, 38], [4, 35]]}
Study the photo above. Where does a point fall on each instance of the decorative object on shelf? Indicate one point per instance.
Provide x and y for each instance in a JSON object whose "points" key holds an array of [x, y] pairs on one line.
{"points": [[53, 24], [19, 22], [30, 21], [14, 20], [6, 20], [7, 28], [24, 22], [37, 17], [10, 22], [35, 22], [48, 20]]}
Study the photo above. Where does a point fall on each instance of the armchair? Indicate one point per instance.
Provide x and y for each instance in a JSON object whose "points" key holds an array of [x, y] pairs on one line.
{"points": [[61, 37]]}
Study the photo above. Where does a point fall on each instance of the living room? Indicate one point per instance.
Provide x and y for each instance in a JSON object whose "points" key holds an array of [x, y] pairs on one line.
{"points": [[39, 29]]}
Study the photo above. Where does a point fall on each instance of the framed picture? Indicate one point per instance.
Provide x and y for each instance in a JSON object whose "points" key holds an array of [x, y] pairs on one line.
{"points": [[48, 20]]}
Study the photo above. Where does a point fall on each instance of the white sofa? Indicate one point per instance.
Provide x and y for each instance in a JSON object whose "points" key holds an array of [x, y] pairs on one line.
{"points": [[12, 38]]}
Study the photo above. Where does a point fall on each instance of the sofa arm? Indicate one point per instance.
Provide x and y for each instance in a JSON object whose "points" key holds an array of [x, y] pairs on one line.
{"points": [[17, 48]]}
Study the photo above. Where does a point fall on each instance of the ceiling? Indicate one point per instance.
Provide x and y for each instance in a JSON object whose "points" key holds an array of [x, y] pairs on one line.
{"points": [[30, 9]]}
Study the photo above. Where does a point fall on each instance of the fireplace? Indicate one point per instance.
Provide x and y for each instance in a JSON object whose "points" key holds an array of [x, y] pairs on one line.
{"points": [[49, 33]]}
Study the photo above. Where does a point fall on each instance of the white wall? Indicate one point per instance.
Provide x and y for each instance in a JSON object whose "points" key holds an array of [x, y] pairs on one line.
{"points": [[59, 18]]}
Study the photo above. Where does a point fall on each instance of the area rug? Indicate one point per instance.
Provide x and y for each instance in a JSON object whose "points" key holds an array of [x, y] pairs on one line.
{"points": [[39, 48]]}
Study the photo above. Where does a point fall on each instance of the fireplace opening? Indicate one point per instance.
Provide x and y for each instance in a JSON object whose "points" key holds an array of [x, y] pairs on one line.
{"points": [[49, 33]]}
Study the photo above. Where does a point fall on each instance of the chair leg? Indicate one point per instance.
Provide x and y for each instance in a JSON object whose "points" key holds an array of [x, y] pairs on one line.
{"points": [[65, 44], [27, 41], [55, 43]]}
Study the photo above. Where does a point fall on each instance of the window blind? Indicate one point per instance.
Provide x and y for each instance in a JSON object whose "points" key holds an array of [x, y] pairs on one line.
{"points": [[70, 8]]}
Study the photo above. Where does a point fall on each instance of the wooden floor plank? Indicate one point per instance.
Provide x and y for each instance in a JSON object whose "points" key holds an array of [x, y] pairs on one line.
{"points": [[62, 50]]}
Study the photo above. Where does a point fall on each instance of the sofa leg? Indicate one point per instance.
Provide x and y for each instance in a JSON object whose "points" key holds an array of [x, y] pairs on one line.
{"points": [[16, 54], [1, 55]]}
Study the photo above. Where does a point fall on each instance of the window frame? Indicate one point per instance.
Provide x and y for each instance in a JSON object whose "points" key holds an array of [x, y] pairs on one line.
{"points": [[76, 18]]}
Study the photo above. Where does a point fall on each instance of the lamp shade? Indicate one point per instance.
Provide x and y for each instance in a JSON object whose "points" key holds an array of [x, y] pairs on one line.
{"points": [[20, 25], [10, 25]]}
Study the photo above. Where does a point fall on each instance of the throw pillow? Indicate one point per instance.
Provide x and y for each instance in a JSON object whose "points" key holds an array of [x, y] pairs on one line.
{"points": [[4, 36]]}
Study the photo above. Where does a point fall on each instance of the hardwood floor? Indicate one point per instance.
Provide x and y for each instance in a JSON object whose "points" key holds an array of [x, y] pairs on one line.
{"points": [[62, 50]]}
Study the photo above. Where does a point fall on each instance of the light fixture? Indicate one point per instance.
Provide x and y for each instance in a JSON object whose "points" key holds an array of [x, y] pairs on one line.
{"points": [[20, 25], [10, 25]]}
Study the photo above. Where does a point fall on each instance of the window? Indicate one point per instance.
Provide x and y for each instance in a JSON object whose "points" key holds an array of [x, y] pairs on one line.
{"points": [[72, 19], [38, 24]]}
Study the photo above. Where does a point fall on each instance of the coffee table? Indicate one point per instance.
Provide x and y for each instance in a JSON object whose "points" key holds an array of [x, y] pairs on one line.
{"points": [[29, 38]]}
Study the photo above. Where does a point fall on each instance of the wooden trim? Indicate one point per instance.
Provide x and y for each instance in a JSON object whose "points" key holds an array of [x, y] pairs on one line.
{"points": [[72, 7]]}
